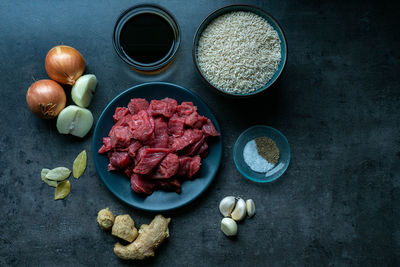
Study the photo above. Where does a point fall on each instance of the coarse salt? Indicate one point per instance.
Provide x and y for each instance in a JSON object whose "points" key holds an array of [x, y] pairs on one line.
{"points": [[254, 160]]}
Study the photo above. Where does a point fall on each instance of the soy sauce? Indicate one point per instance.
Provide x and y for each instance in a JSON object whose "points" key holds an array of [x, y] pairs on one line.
{"points": [[147, 38]]}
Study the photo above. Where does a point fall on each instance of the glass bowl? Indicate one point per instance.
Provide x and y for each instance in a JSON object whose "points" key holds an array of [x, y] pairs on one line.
{"points": [[277, 137], [258, 11]]}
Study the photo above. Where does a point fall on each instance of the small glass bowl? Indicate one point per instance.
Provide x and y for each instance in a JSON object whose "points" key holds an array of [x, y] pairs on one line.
{"points": [[281, 142]]}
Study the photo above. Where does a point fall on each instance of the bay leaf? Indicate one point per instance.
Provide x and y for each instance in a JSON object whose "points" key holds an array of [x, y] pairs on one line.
{"points": [[58, 174], [47, 181], [44, 172], [79, 165], [62, 190]]}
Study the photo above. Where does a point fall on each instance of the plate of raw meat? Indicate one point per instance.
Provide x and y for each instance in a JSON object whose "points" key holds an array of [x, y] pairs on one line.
{"points": [[157, 146]]}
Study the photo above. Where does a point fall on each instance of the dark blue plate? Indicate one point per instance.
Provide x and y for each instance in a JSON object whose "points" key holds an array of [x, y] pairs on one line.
{"points": [[119, 184]]}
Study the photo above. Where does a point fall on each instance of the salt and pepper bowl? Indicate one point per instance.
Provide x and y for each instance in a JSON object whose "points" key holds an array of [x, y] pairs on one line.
{"points": [[259, 131]]}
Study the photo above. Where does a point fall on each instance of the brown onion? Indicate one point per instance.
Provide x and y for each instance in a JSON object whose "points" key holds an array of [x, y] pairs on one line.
{"points": [[64, 64], [46, 99]]}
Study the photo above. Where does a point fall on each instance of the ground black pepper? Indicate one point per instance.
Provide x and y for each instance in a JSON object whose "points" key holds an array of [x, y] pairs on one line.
{"points": [[268, 149]]}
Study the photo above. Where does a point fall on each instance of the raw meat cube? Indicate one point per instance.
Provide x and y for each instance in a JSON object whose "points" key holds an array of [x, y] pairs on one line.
{"points": [[172, 103], [160, 133], [150, 158], [201, 120], [106, 145], [209, 129], [160, 107], [141, 186], [172, 184], [121, 122], [193, 149], [137, 104], [120, 160], [185, 109], [120, 137], [189, 137], [189, 166], [141, 126], [176, 126], [168, 167], [133, 148], [120, 113], [203, 151]]}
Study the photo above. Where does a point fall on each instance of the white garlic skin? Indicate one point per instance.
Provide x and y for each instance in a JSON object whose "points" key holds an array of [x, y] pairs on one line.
{"points": [[226, 205], [229, 227], [250, 208], [239, 212]]}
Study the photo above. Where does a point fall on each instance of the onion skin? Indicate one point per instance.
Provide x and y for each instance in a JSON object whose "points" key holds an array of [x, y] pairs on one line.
{"points": [[46, 99], [64, 64]]}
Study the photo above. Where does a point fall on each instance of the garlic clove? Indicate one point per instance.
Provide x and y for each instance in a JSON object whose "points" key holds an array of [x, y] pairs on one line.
{"points": [[226, 205], [229, 227], [250, 208], [83, 89], [239, 212]]}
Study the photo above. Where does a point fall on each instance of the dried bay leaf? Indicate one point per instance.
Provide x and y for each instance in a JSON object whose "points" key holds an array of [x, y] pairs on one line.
{"points": [[44, 172], [47, 181], [79, 165], [58, 174], [62, 190]]}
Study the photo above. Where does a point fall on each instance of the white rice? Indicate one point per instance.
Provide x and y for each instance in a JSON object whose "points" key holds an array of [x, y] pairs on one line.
{"points": [[255, 161], [239, 52]]}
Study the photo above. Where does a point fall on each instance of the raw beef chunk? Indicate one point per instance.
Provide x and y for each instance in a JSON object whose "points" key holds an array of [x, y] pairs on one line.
{"points": [[119, 160], [160, 107], [176, 126], [140, 185], [120, 137], [137, 104], [133, 148], [189, 166], [185, 109], [106, 145], [141, 126], [172, 184], [203, 151], [120, 113], [193, 149], [160, 133], [168, 167], [189, 137], [209, 129], [150, 158]]}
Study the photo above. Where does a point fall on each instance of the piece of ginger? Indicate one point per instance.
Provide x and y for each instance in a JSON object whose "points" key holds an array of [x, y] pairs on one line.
{"points": [[150, 237], [124, 228], [105, 218]]}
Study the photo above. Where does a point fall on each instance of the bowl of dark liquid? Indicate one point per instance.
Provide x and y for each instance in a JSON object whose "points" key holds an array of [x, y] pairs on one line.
{"points": [[147, 38]]}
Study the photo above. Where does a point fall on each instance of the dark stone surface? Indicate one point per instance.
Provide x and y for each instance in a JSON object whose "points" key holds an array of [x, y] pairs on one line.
{"points": [[337, 102]]}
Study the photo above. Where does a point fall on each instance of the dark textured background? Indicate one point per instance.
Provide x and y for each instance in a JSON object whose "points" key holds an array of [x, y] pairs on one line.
{"points": [[337, 102]]}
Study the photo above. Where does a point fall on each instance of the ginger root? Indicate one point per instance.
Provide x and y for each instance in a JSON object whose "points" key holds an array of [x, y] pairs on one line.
{"points": [[105, 218], [124, 228], [150, 237]]}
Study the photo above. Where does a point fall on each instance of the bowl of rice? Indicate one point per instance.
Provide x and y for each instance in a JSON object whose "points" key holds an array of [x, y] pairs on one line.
{"points": [[240, 50]]}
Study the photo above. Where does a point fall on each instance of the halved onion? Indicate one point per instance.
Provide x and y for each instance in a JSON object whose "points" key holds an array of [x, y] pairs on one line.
{"points": [[64, 64], [46, 99]]}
